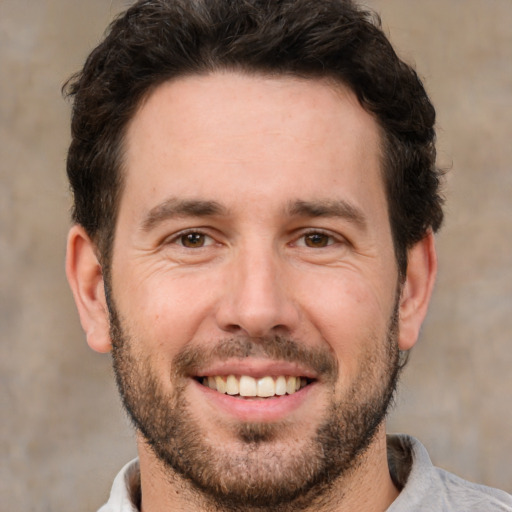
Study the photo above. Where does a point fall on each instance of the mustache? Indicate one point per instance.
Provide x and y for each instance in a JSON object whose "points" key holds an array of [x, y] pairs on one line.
{"points": [[320, 360]]}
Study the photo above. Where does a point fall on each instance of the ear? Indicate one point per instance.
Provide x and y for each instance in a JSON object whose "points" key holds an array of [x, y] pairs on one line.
{"points": [[417, 290], [85, 278]]}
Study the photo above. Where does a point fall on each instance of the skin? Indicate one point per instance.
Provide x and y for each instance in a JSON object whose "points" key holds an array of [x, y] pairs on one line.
{"points": [[258, 148]]}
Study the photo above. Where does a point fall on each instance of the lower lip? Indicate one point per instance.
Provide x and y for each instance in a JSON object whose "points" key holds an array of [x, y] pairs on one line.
{"points": [[264, 410]]}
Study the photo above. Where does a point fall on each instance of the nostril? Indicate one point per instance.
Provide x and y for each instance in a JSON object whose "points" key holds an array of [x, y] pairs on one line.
{"points": [[256, 329], [232, 328]]}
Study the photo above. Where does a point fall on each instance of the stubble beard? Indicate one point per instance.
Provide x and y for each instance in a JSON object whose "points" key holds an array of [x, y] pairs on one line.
{"points": [[263, 469]]}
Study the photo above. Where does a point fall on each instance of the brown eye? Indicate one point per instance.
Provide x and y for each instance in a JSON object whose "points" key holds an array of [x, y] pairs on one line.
{"points": [[193, 240], [317, 240]]}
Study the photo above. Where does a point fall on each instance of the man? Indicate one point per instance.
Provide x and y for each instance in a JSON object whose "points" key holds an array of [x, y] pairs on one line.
{"points": [[255, 200]]}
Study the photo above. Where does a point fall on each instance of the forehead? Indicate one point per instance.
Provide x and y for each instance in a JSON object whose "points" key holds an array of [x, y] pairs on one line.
{"points": [[198, 135], [233, 96]]}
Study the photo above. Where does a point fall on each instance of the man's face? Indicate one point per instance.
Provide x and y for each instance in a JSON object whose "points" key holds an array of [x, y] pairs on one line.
{"points": [[253, 256]]}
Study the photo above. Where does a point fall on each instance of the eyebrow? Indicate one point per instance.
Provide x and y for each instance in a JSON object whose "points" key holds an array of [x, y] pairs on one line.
{"points": [[329, 208], [174, 207]]}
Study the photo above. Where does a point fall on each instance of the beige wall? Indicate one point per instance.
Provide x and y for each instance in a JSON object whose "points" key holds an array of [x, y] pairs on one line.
{"points": [[62, 432]]}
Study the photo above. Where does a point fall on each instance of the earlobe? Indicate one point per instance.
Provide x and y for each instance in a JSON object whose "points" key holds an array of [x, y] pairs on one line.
{"points": [[85, 278], [417, 290]]}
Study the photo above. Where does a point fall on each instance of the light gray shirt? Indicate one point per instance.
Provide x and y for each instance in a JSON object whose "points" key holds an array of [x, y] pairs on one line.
{"points": [[424, 487]]}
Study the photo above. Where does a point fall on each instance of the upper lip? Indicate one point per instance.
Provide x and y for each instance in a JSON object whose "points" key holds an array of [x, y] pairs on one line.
{"points": [[256, 368]]}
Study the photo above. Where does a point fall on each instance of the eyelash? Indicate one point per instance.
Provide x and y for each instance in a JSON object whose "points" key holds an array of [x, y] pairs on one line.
{"points": [[179, 238], [331, 238]]}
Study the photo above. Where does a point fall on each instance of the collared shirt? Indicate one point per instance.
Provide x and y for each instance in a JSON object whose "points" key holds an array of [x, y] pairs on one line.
{"points": [[424, 487], [125, 493]]}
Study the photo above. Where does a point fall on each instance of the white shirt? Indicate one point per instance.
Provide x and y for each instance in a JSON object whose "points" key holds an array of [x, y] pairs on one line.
{"points": [[124, 489]]}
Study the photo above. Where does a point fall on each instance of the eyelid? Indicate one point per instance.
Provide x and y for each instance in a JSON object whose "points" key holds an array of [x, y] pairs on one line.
{"points": [[335, 237], [175, 237]]}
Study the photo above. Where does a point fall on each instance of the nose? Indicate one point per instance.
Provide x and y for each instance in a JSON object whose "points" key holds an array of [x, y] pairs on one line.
{"points": [[257, 300]]}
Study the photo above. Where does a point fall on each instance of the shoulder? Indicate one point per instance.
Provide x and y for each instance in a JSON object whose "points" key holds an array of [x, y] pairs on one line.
{"points": [[459, 494], [428, 488]]}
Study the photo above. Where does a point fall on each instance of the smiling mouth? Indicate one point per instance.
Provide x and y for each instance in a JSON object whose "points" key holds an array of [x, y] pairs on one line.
{"points": [[246, 386]]}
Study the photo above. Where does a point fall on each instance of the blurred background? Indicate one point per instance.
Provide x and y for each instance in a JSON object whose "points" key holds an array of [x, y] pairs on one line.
{"points": [[63, 434]]}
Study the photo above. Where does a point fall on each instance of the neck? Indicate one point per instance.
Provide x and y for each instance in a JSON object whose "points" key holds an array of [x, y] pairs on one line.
{"points": [[367, 488]]}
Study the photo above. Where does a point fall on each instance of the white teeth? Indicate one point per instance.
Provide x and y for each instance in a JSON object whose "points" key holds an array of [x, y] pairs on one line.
{"points": [[221, 385], [247, 386], [291, 383], [266, 387], [232, 387], [281, 386]]}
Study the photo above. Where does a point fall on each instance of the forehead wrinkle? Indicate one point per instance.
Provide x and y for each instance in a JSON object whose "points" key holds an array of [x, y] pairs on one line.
{"points": [[175, 207], [328, 208]]}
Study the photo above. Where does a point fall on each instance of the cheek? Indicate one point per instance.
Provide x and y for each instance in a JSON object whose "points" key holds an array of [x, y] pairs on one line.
{"points": [[352, 316], [163, 312]]}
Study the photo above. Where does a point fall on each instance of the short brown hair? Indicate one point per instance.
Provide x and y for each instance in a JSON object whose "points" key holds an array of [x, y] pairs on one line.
{"points": [[157, 40]]}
